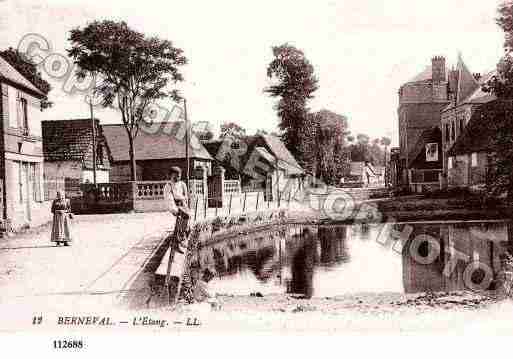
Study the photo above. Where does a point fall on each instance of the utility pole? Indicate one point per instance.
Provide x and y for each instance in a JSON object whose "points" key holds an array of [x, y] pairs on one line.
{"points": [[186, 146], [94, 139]]}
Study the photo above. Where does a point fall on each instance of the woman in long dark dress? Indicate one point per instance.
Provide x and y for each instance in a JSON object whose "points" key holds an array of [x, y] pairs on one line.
{"points": [[61, 228]]}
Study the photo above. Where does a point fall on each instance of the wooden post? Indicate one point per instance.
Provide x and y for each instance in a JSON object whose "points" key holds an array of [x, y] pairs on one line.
{"points": [[205, 201], [196, 208], [258, 196], [244, 203], [230, 205]]}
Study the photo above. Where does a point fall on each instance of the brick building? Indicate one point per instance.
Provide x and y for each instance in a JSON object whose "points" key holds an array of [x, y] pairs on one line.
{"points": [[469, 157], [21, 151], [68, 152], [421, 101], [467, 97]]}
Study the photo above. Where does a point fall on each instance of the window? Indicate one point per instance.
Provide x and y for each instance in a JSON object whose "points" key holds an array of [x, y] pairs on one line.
{"points": [[462, 125], [431, 152], [447, 133], [474, 159], [24, 116], [453, 131], [12, 98], [449, 163]]}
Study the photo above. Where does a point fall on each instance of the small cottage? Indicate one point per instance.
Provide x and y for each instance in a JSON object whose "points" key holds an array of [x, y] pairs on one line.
{"points": [[157, 148], [69, 148]]}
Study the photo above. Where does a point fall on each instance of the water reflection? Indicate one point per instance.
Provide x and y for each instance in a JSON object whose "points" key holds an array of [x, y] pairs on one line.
{"points": [[331, 260]]}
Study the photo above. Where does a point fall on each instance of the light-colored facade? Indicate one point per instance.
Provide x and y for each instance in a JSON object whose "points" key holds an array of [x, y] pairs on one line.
{"points": [[23, 200]]}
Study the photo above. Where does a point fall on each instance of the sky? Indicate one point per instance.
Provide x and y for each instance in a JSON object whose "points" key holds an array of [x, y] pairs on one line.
{"points": [[361, 50]]}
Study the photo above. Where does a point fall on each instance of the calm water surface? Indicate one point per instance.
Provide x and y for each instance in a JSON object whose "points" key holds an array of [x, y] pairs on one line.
{"points": [[326, 261]]}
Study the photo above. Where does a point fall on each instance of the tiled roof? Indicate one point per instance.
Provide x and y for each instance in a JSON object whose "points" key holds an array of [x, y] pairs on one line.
{"points": [[467, 83], [8, 72], [67, 140], [153, 142], [479, 96], [470, 91], [479, 134], [273, 145], [431, 135], [279, 150]]}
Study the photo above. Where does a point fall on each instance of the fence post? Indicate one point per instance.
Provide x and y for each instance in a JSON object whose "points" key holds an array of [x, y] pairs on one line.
{"points": [[258, 197], [244, 203], [196, 208]]}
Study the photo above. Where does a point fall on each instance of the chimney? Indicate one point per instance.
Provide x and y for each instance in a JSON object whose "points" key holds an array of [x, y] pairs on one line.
{"points": [[438, 69], [453, 83]]}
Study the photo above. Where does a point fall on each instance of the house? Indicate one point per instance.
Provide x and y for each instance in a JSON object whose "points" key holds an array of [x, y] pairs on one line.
{"points": [[467, 97], [22, 198], [436, 98], [426, 162], [468, 159], [157, 148], [421, 101], [258, 161], [68, 147]]}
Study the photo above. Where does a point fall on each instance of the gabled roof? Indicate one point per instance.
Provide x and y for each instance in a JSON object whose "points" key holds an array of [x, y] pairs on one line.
{"points": [[68, 140], [418, 154], [272, 145], [278, 149], [11, 74], [479, 134], [467, 83], [479, 96], [153, 142], [470, 90]]}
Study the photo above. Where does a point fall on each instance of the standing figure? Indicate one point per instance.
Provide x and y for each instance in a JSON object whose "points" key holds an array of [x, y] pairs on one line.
{"points": [[178, 187], [179, 194], [61, 227], [368, 172]]}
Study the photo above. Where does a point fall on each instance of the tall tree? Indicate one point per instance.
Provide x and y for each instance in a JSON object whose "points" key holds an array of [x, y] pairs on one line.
{"points": [[231, 129], [329, 154], [294, 84], [500, 174], [28, 69], [131, 70]]}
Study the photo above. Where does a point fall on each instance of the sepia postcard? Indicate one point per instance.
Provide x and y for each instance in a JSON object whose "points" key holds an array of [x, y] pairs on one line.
{"points": [[171, 170]]}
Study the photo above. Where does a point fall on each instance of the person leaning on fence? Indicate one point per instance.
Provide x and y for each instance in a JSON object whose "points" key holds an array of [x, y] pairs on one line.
{"points": [[178, 186], [61, 226], [179, 207]]}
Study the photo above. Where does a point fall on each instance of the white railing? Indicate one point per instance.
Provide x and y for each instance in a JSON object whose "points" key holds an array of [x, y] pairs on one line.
{"points": [[232, 187], [197, 188], [149, 190]]}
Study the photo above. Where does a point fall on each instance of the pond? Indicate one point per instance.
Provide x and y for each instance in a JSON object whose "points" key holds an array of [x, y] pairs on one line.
{"points": [[331, 260]]}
